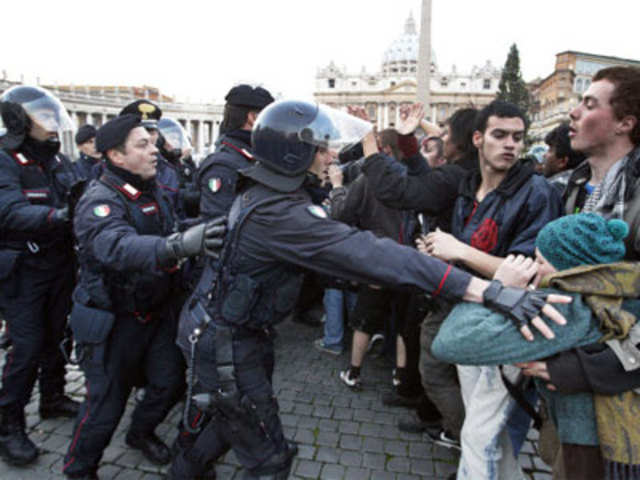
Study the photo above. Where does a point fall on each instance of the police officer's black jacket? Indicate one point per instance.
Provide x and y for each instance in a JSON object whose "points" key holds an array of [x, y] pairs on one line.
{"points": [[272, 236], [85, 167], [33, 184], [218, 173], [120, 225]]}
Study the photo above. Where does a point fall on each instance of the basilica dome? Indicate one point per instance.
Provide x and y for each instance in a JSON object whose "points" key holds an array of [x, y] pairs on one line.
{"points": [[401, 57]]}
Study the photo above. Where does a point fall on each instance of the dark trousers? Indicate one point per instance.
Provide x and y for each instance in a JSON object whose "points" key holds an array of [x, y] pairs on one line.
{"points": [[409, 329], [256, 436], [35, 304], [440, 379], [136, 353]]}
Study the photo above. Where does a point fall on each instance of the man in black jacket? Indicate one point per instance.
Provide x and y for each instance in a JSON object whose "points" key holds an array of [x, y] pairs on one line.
{"points": [[218, 173], [129, 258]]}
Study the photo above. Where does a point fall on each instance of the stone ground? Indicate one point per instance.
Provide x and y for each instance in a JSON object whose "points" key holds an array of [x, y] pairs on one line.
{"points": [[341, 434]]}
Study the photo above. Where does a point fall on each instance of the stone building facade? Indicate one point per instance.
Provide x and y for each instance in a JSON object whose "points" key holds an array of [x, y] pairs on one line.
{"points": [[383, 93]]}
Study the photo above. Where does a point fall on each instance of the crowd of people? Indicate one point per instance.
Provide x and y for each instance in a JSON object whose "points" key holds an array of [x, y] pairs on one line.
{"points": [[506, 290]]}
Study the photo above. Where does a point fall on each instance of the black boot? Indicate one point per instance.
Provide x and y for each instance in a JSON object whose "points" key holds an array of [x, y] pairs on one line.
{"points": [[151, 447], [15, 447], [58, 406]]}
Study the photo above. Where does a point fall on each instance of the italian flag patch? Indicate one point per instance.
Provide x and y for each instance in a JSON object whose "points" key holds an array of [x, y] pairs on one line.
{"points": [[215, 184], [101, 211]]}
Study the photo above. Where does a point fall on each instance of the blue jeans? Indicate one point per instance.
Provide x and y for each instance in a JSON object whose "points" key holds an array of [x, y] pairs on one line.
{"points": [[334, 303]]}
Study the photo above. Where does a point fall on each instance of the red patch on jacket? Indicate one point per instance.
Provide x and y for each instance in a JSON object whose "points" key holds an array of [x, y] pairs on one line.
{"points": [[485, 238]]}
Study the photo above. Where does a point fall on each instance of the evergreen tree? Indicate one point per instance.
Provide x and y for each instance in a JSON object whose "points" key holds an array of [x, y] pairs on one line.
{"points": [[512, 87]]}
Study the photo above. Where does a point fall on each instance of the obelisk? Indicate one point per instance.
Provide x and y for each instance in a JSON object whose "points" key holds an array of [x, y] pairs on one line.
{"points": [[423, 93]]}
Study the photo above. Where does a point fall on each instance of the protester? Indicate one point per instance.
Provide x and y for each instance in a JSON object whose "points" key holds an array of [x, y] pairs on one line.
{"points": [[499, 211], [560, 159], [432, 149]]}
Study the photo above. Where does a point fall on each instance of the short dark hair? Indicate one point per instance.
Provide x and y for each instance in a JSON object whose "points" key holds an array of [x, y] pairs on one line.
{"points": [[625, 99], [558, 139], [461, 125], [389, 136], [439, 143], [235, 116], [500, 109]]}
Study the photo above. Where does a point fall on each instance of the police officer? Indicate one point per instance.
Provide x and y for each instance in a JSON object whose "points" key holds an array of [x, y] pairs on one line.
{"points": [[36, 261], [218, 173], [128, 257], [274, 232], [166, 176], [175, 147], [85, 165]]}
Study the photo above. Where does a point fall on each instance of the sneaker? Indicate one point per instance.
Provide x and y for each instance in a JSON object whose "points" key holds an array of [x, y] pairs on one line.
{"points": [[377, 337], [443, 438], [351, 382], [332, 349], [395, 380]]}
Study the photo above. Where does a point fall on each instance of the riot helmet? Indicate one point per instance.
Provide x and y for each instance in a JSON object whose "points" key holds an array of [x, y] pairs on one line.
{"points": [[173, 141], [33, 111], [288, 133]]}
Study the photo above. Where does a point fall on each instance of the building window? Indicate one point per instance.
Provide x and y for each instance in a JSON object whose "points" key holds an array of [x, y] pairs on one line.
{"points": [[486, 84], [354, 83], [393, 84], [444, 82], [579, 85], [332, 83], [371, 111]]}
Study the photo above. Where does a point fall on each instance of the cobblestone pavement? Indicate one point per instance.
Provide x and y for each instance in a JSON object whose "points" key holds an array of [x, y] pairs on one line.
{"points": [[341, 434]]}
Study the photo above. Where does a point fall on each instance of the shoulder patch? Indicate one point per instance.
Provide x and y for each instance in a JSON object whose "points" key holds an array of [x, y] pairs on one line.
{"points": [[215, 184], [317, 211], [102, 211]]}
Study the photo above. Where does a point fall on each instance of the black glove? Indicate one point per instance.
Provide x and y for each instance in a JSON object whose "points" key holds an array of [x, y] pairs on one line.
{"points": [[521, 306], [60, 216], [205, 238]]}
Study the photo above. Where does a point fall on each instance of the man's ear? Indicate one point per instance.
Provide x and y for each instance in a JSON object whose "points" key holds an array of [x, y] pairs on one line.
{"points": [[563, 162], [115, 157], [251, 119], [627, 124], [476, 138]]}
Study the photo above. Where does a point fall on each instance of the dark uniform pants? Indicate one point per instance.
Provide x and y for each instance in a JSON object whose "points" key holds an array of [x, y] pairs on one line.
{"points": [[35, 304], [256, 438], [136, 353]]}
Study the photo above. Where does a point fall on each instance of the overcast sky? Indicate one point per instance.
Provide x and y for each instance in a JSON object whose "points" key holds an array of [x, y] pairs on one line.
{"points": [[197, 50]]}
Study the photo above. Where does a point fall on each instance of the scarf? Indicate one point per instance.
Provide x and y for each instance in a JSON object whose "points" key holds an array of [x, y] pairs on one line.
{"points": [[604, 287]]}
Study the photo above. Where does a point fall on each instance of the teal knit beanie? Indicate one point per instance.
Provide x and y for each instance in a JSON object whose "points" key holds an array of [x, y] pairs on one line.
{"points": [[582, 239]]}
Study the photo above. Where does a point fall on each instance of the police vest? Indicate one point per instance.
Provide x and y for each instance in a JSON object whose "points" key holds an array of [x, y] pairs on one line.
{"points": [[44, 188], [248, 293], [132, 292]]}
